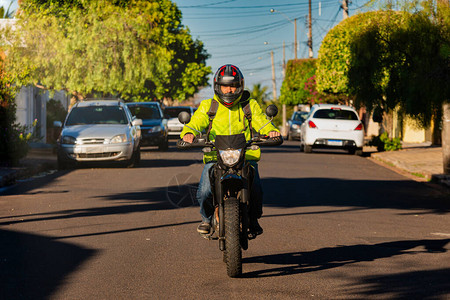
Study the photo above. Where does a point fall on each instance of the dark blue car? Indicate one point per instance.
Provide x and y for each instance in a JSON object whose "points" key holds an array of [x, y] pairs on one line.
{"points": [[154, 126], [298, 117]]}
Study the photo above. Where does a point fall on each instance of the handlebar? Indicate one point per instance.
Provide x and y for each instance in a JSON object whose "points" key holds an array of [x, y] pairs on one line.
{"points": [[259, 141], [268, 141]]}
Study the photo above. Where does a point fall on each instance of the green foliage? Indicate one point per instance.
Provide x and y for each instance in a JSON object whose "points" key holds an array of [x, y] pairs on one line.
{"points": [[293, 90], [8, 14], [122, 48], [335, 53], [384, 143], [389, 59], [259, 93], [13, 137], [401, 66], [55, 112]]}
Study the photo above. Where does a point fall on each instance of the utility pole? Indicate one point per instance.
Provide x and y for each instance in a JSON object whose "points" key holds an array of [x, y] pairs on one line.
{"points": [[283, 125], [310, 44], [284, 59], [274, 84], [295, 38], [345, 9]]}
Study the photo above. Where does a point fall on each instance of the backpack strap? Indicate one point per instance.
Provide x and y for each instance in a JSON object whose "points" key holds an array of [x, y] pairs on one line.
{"points": [[245, 104], [211, 115]]}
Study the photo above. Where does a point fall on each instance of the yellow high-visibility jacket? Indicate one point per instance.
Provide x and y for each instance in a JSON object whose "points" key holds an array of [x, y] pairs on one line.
{"points": [[229, 121]]}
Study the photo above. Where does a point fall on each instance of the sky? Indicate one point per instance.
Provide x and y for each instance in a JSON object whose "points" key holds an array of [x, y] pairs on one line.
{"points": [[244, 32]]}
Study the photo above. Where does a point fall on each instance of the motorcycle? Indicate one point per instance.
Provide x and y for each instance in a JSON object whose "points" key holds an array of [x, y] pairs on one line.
{"points": [[231, 180]]}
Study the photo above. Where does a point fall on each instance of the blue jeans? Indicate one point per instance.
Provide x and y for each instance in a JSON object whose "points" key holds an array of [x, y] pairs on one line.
{"points": [[204, 194]]}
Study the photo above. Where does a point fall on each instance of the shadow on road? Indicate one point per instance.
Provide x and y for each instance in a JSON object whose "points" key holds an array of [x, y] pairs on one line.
{"points": [[295, 192], [419, 284], [162, 198], [33, 267]]}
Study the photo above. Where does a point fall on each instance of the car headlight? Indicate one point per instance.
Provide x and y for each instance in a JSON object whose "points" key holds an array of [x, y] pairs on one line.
{"points": [[230, 157], [121, 138], [155, 129], [295, 126], [68, 140]]}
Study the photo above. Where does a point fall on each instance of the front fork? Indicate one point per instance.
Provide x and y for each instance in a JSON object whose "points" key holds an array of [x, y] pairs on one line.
{"points": [[230, 187]]}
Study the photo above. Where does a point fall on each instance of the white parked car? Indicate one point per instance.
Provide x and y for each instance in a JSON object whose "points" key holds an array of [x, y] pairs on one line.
{"points": [[332, 126], [99, 130], [171, 113]]}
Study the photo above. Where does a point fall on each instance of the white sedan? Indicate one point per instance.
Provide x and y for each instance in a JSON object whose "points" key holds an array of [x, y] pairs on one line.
{"points": [[332, 126]]}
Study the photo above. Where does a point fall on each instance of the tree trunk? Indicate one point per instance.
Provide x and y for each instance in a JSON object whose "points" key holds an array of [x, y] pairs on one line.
{"points": [[446, 137]]}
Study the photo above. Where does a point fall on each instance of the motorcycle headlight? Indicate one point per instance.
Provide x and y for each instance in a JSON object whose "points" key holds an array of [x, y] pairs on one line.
{"points": [[230, 157], [295, 126], [68, 140], [121, 138], [155, 129]]}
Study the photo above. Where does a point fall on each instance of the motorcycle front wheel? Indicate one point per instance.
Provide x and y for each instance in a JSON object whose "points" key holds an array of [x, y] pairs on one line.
{"points": [[232, 242]]}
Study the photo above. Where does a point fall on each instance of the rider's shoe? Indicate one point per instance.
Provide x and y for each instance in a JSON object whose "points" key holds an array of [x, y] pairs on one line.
{"points": [[255, 228], [204, 228]]}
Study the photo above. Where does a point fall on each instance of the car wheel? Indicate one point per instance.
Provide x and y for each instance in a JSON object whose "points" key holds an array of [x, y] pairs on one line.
{"points": [[164, 146], [359, 152], [134, 160], [62, 164], [137, 158], [307, 148]]}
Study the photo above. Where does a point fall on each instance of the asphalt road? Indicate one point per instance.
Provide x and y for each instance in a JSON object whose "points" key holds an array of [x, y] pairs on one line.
{"points": [[336, 226]]}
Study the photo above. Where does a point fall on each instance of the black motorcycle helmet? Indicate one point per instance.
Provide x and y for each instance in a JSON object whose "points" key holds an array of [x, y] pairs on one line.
{"points": [[229, 75]]}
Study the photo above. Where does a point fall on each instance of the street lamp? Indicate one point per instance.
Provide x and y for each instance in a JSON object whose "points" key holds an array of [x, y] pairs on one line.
{"points": [[295, 28]]}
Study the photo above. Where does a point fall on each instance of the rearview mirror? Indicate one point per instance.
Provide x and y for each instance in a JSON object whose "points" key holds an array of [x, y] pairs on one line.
{"points": [[271, 111], [184, 117]]}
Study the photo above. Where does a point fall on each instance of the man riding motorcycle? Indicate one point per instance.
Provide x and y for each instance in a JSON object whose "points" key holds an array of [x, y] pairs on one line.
{"points": [[229, 118]]}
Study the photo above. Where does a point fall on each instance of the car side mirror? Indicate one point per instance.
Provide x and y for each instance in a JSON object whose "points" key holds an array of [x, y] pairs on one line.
{"points": [[137, 122], [184, 117], [271, 111], [57, 124]]}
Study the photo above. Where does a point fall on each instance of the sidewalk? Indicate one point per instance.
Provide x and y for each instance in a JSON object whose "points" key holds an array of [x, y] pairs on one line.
{"points": [[40, 159], [420, 162]]}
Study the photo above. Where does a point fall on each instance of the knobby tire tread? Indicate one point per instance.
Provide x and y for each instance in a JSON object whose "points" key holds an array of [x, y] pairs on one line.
{"points": [[232, 241]]}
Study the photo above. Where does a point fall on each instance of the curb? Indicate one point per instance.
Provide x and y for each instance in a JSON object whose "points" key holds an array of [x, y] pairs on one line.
{"points": [[29, 170]]}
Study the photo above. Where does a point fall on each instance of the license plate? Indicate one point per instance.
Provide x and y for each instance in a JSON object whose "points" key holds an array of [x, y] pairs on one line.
{"points": [[335, 142]]}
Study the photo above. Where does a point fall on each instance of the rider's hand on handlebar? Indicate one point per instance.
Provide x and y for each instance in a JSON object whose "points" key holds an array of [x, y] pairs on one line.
{"points": [[188, 137], [273, 134]]}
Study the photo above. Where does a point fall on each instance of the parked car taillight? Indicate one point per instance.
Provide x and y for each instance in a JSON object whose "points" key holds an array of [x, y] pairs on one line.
{"points": [[359, 127], [311, 124]]}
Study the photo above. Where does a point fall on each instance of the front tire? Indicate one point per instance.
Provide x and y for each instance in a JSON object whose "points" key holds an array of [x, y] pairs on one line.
{"points": [[232, 241], [135, 159], [307, 148]]}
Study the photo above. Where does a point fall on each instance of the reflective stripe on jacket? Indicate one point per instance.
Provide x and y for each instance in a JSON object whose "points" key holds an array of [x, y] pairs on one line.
{"points": [[229, 121]]}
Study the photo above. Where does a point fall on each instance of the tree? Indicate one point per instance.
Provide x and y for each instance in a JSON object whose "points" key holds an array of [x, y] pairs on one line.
{"points": [[335, 53], [392, 60], [132, 49], [401, 67], [298, 72], [259, 93], [8, 14]]}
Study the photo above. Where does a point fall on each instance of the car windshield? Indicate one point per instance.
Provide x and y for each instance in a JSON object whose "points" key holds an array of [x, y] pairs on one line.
{"points": [[172, 112], [145, 112], [300, 116], [340, 114], [97, 115]]}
